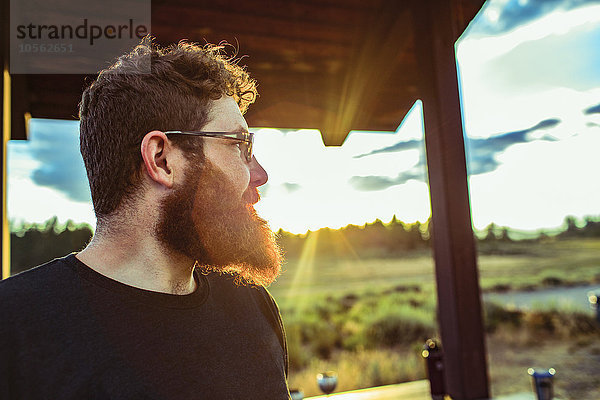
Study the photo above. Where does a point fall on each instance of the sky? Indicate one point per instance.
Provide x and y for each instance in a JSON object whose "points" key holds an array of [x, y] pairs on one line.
{"points": [[530, 92]]}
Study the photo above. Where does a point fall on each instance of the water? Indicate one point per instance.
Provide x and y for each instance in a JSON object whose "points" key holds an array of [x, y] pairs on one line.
{"points": [[572, 298]]}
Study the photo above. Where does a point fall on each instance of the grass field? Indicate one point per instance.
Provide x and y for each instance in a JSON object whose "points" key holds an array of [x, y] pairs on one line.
{"points": [[368, 317], [524, 265]]}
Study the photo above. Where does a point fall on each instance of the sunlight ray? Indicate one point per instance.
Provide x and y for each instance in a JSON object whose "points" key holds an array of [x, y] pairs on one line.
{"points": [[304, 273], [349, 246]]}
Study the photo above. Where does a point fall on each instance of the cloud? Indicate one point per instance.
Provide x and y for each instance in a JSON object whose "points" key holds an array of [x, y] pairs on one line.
{"points": [[501, 141], [547, 123], [499, 16], [372, 183], [541, 64], [481, 155], [592, 110], [401, 146], [375, 183], [291, 187], [55, 144]]}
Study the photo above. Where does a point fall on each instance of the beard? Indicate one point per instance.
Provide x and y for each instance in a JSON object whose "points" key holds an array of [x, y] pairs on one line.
{"points": [[204, 219]]}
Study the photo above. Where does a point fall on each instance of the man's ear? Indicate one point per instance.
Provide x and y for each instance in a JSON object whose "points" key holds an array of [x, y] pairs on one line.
{"points": [[157, 153]]}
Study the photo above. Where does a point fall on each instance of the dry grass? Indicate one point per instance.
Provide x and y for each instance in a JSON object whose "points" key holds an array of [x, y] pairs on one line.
{"points": [[577, 363], [510, 353], [362, 369]]}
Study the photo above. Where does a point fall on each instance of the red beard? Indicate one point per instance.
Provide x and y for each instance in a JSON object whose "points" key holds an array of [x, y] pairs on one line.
{"points": [[204, 219]]}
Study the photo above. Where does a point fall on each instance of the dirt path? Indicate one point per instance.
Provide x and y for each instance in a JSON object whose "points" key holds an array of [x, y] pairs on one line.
{"points": [[576, 363]]}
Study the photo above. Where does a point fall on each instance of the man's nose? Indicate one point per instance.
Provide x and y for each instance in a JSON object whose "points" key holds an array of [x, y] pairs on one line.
{"points": [[258, 175]]}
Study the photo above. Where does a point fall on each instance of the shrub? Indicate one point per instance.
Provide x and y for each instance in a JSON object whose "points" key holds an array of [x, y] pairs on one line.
{"points": [[496, 315], [357, 322], [390, 323], [299, 357], [552, 281], [540, 322], [404, 326], [563, 324]]}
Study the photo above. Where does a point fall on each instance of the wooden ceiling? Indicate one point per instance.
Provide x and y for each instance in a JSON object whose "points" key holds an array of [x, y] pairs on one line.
{"points": [[332, 65]]}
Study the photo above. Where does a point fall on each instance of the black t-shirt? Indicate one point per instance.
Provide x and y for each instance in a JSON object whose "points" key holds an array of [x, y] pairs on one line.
{"points": [[68, 332]]}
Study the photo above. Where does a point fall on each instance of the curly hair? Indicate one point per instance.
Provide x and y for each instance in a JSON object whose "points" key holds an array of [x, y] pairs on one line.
{"points": [[125, 102]]}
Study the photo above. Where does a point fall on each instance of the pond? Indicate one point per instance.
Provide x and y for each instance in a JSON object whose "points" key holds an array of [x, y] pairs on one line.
{"points": [[573, 298]]}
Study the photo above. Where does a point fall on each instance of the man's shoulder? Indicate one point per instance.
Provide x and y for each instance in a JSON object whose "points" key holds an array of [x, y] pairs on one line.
{"points": [[233, 283], [230, 288], [36, 282]]}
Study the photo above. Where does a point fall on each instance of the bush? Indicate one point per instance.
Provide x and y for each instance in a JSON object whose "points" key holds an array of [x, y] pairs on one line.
{"points": [[405, 325], [311, 333], [356, 322], [299, 357], [388, 321], [540, 322], [552, 281], [562, 324], [496, 315]]}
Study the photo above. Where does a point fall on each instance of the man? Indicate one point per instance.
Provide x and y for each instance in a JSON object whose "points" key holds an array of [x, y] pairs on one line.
{"points": [[167, 301]]}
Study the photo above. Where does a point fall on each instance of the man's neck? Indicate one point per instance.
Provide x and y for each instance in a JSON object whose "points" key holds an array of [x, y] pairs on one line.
{"points": [[137, 259]]}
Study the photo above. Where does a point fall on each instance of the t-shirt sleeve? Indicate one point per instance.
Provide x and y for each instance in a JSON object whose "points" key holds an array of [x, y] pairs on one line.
{"points": [[5, 355], [277, 322]]}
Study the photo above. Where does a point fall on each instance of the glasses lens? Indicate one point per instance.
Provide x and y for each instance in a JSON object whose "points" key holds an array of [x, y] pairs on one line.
{"points": [[245, 150], [249, 150]]}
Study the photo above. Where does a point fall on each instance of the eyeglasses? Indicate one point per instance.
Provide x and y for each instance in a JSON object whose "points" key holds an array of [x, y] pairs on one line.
{"points": [[246, 139]]}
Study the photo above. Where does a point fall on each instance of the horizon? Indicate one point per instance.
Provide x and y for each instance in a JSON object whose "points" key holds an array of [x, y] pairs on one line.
{"points": [[19, 227]]}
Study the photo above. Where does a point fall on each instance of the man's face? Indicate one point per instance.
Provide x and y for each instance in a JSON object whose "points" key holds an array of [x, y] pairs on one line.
{"points": [[209, 215]]}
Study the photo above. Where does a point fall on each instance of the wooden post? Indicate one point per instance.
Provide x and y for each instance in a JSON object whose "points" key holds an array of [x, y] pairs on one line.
{"points": [[5, 121], [459, 298]]}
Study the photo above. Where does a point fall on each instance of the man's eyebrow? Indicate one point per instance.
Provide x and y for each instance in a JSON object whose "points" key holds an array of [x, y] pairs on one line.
{"points": [[240, 128]]}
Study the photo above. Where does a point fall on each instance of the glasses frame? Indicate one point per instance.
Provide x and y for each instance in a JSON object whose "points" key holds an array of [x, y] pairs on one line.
{"points": [[241, 136]]}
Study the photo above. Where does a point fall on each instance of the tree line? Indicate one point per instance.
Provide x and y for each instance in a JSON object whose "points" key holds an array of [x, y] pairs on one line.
{"points": [[376, 239], [35, 244]]}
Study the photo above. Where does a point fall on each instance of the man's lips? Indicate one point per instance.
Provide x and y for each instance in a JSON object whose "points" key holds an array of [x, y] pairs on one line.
{"points": [[251, 196]]}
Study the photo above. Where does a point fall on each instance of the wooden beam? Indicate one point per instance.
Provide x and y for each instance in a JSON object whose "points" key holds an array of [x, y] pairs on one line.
{"points": [[19, 105], [214, 22], [348, 4], [251, 42], [459, 298], [315, 100], [329, 14], [47, 96], [369, 69]]}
